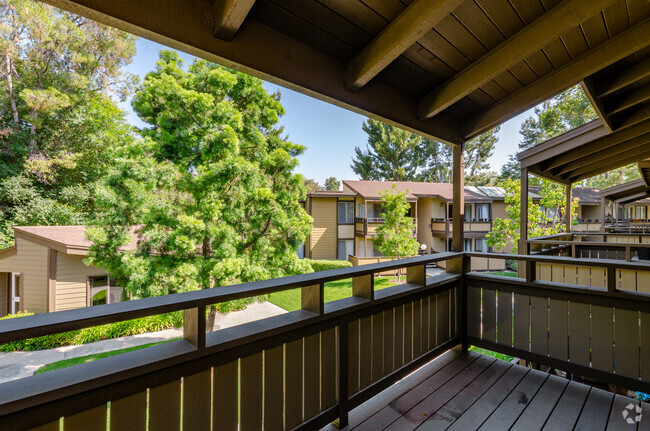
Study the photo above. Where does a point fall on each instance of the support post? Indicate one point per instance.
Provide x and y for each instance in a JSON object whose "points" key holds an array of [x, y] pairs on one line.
{"points": [[603, 213], [416, 274], [459, 198], [523, 219], [567, 215], [363, 287], [194, 326], [311, 298]]}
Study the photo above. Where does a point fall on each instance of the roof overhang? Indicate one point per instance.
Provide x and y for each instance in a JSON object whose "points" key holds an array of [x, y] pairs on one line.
{"points": [[644, 170], [626, 193]]}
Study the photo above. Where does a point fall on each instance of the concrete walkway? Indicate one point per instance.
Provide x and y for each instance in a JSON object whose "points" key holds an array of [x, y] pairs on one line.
{"points": [[17, 365]]}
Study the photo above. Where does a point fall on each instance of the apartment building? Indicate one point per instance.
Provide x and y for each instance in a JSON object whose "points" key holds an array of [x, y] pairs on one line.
{"points": [[345, 221]]}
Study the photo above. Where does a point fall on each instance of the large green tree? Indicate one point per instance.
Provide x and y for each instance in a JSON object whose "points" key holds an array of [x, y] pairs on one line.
{"points": [[60, 75], [332, 183], [210, 192], [395, 234]]}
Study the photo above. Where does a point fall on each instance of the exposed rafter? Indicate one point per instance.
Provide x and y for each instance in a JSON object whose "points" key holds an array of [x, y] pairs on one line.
{"points": [[623, 79], [616, 48], [629, 99], [588, 88], [550, 26], [589, 170], [644, 170], [397, 37], [229, 16]]}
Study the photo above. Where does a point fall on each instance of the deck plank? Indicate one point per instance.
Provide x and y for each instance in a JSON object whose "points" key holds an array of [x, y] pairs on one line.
{"points": [[595, 412], [566, 412], [432, 403], [404, 403], [542, 405], [484, 406], [616, 420], [508, 412], [443, 418]]}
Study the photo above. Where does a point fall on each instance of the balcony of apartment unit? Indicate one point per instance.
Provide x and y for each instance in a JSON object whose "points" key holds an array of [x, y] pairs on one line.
{"points": [[445, 226], [367, 226], [630, 226], [392, 358], [587, 225]]}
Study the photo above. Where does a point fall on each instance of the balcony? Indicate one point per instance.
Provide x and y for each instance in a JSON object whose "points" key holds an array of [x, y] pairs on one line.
{"points": [[441, 226], [366, 226], [336, 360], [617, 246]]}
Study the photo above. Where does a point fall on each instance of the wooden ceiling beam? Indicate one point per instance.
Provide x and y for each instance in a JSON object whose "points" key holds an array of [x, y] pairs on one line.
{"points": [[413, 23], [604, 154], [616, 48], [589, 89], [533, 37], [630, 75], [591, 169], [628, 100], [637, 116], [586, 148], [228, 17]]}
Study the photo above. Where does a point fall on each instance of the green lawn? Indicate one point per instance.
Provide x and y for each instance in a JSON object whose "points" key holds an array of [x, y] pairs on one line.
{"points": [[82, 359], [504, 273], [290, 299]]}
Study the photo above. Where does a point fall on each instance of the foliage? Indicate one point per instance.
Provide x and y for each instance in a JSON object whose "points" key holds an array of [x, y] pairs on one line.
{"points": [[65, 363], [558, 115], [325, 264], [544, 218], [311, 185], [97, 333], [332, 183], [393, 154], [334, 290], [492, 354], [395, 235], [209, 192], [58, 121]]}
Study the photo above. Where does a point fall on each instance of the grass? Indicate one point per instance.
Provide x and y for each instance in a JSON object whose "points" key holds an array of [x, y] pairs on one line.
{"points": [[496, 355], [504, 273], [89, 358], [334, 290]]}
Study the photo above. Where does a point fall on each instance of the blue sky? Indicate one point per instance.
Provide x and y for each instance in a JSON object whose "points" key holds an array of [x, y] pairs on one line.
{"points": [[328, 132]]}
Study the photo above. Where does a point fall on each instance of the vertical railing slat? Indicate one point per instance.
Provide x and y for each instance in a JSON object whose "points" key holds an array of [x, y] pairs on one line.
{"points": [[328, 368], [645, 346], [602, 334], [365, 352], [408, 332], [442, 303], [489, 315], [521, 322], [504, 316], [474, 312], [377, 355], [196, 401], [94, 419], [626, 338], [293, 384], [579, 333], [251, 393], [129, 413], [433, 322], [398, 337], [273, 388], [225, 400], [539, 325], [417, 328], [165, 406], [311, 377], [389, 342], [558, 339], [353, 357]]}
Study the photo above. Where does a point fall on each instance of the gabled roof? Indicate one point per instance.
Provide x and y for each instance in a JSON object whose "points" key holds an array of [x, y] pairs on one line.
{"points": [[445, 191], [629, 192], [66, 239], [331, 193]]}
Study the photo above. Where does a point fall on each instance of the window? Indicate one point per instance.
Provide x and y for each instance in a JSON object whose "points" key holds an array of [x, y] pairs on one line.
{"points": [[104, 291], [450, 211], [468, 212], [483, 212], [467, 244], [345, 249], [300, 250], [480, 245], [15, 287], [640, 212], [374, 212], [346, 212], [362, 211]]}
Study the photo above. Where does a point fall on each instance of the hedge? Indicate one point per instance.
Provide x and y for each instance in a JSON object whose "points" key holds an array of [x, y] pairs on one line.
{"points": [[322, 265], [89, 335]]}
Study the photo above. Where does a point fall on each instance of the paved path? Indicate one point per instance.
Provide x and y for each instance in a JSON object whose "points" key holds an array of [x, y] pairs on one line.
{"points": [[17, 365]]}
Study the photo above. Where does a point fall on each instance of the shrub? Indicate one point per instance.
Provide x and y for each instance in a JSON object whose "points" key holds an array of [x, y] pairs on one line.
{"points": [[89, 335], [322, 265]]}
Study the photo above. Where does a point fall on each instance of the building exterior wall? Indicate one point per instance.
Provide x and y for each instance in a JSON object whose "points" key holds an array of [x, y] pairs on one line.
{"points": [[424, 214], [323, 243], [71, 281], [589, 212], [3, 293], [31, 261]]}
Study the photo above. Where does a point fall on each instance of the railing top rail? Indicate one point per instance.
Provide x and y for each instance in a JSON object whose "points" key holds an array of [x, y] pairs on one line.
{"points": [[49, 323], [566, 260]]}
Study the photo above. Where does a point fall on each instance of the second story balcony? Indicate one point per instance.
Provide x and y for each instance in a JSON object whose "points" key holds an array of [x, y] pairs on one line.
{"points": [[441, 226]]}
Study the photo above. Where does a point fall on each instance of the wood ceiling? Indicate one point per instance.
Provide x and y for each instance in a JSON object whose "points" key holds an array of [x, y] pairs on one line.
{"points": [[447, 69]]}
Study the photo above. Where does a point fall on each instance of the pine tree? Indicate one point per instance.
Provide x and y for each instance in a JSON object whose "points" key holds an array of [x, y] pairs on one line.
{"points": [[332, 183]]}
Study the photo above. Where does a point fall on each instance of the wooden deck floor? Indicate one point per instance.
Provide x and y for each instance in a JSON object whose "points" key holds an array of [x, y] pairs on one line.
{"points": [[471, 391]]}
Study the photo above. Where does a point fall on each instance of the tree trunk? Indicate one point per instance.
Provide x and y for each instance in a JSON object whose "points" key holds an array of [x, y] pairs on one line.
{"points": [[209, 322], [10, 84]]}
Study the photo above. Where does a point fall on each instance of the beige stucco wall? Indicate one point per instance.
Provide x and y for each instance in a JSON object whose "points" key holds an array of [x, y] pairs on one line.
{"points": [[438, 211], [323, 235], [71, 276], [30, 260], [590, 212]]}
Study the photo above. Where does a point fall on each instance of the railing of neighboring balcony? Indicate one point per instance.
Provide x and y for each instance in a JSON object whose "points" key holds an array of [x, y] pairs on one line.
{"points": [[619, 246], [442, 225], [624, 226]]}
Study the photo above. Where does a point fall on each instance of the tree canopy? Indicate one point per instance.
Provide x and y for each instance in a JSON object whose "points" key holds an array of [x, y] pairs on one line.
{"points": [[210, 191], [395, 234], [59, 121], [332, 183]]}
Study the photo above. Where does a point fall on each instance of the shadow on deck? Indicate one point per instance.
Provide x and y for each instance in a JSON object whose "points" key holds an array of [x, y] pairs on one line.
{"points": [[470, 391]]}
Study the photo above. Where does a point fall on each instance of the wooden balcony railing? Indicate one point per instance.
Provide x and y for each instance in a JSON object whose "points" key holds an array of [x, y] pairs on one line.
{"points": [[300, 370], [619, 246], [305, 369]]}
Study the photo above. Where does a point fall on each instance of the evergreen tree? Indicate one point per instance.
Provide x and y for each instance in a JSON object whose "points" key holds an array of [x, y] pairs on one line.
{"points": [[332, 183], [210, 191], [477, 153], [311, 185]]}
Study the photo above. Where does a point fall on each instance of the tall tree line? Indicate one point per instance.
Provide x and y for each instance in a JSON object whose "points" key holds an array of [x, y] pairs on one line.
{"points": [[394, 154]]}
